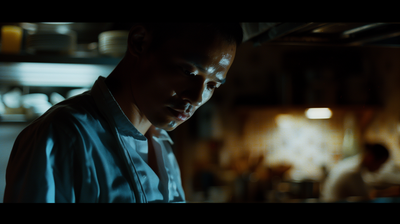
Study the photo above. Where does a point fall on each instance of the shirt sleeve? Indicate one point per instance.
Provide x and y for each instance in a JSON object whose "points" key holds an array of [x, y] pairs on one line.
{"points": [[40, 168]]}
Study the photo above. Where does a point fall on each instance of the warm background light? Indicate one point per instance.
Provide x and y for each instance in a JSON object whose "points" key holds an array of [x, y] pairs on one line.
{"points": [[318, 113]]}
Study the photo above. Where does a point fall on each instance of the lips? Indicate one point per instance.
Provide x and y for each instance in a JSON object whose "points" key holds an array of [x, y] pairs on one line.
{"points": [[179, 114]]}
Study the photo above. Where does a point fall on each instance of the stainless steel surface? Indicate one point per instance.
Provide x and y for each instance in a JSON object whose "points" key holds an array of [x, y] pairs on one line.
{"points": [[52, 74]]}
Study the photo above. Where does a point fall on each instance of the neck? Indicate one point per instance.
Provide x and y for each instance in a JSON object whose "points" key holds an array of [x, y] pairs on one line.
{"points": [[119, 85]]}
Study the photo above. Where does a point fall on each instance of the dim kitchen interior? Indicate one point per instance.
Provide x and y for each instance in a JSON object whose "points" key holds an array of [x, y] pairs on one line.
{"points": [[299, 98]]}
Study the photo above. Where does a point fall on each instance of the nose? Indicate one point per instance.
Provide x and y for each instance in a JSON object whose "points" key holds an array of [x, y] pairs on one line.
{"points": [[195, 93]]}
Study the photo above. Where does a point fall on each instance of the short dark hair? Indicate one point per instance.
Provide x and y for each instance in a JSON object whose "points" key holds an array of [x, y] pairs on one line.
{"points": [[231, 32], [378, 151]]}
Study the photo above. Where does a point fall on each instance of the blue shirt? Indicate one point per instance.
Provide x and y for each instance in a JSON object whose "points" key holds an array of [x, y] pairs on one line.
{"points": [[85, 149]]}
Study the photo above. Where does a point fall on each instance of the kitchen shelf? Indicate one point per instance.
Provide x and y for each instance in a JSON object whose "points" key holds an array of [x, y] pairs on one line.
{"points": [[53, 70], [7, 118], [59, 59]]}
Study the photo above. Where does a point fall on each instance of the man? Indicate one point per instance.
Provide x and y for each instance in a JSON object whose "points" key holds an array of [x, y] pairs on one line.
{"points": [[110, 144], [346, 179]]}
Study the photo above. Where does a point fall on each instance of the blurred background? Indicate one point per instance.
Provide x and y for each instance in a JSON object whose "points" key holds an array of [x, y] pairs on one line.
{"points": [[255, 140]]}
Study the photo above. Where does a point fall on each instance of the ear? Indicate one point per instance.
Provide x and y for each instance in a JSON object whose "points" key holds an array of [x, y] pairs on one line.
{"points": [[138, 40]]}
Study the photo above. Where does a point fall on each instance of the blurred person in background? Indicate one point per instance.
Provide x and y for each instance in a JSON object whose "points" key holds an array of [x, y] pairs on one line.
{"points": [[252, 178], [258, 180], [346, 178], [110, 144], [240, 165]]}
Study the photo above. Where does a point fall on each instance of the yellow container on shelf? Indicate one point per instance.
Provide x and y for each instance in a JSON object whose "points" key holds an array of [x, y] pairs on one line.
{"points": [[11, 38]]}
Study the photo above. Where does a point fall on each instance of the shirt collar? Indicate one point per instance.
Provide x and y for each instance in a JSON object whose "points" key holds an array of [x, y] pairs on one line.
{"points": [[112, 111], [114, 114], [163, 135]]}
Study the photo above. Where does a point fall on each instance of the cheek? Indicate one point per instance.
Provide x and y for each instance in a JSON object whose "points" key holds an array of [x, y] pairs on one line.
{"points": [[159, 84], [207, 94]]}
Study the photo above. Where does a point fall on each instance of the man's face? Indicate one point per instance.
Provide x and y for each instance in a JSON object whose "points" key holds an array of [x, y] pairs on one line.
{"points": [[376, 165], [179, 77]]}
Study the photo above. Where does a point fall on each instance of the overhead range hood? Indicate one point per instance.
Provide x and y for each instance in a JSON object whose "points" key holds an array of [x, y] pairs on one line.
{"points": [[315, 33]]}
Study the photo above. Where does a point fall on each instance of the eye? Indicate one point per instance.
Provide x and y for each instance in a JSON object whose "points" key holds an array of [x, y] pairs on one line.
{"points": [[186, 72], [212, 86]]}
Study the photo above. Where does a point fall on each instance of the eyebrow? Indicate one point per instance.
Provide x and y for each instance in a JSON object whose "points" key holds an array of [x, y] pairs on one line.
{"points": [[200, 67], [197, 65]]}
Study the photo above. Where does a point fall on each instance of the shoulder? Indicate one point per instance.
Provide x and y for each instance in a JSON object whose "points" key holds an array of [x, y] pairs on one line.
{"points": [[344, 170], [78, 108], [60, 129], [65, 117], [80, 105], [347, 165]]}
